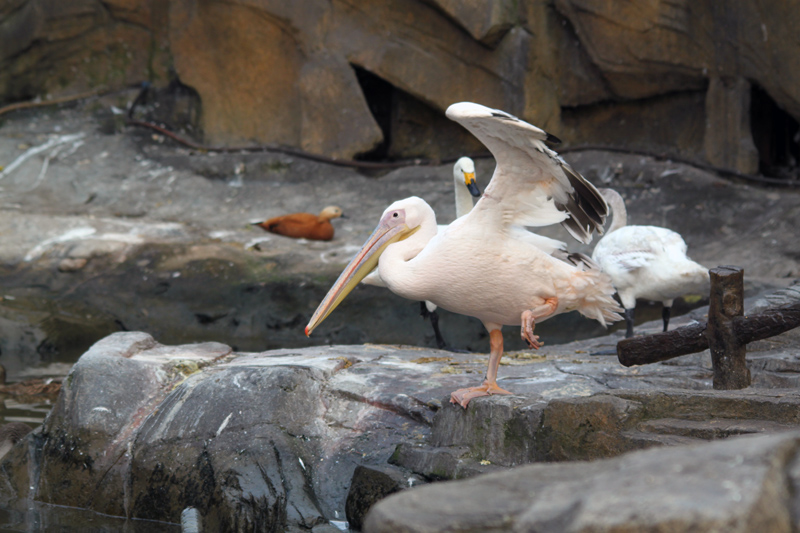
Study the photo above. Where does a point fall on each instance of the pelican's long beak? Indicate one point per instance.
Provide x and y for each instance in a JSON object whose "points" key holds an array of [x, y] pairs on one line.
{"points": [[472, 185], [387, 232]]}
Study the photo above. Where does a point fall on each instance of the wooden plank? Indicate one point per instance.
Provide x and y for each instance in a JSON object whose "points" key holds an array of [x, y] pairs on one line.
{"points": [[662, 346], [768, 323]]}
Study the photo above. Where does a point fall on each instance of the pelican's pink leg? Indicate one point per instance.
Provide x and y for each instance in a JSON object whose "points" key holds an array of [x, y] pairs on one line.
{"points": [[529, 321], [489, 385]]}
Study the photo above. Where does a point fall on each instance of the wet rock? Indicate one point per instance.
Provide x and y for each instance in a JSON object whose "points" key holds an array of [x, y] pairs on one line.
{"points": [[253, 442], [127, 375], [737, 485], [590, 428], [10, 434], [500, 432]]}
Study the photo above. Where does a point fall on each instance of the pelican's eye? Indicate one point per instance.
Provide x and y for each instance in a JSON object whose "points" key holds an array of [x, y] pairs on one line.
{"points": [[395, 214]]}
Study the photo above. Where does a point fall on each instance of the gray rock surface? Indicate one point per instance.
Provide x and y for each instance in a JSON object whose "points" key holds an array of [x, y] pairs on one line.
{"points": [[258, 441]]}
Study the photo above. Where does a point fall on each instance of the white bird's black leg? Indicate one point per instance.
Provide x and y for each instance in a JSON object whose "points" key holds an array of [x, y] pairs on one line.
{"points": [[629, 322], [434, 318], [665, 312]]}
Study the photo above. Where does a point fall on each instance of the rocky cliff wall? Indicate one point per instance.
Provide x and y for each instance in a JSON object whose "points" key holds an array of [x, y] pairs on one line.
{"points": [[346, 78]]}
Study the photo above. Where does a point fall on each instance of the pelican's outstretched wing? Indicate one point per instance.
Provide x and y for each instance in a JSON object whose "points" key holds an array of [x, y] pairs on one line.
{"points": [[533, 185]]}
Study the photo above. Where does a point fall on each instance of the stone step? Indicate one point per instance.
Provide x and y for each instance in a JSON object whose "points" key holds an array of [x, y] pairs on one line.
{"points": [[440, 463], [643, 439], [717, 428]]}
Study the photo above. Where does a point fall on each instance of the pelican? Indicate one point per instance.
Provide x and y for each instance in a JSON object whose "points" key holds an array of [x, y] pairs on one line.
{"points": [[304, 225], [486, 264], [646, 262], [465, 187]]}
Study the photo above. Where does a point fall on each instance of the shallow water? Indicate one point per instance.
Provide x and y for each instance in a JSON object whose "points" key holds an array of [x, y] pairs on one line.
{"points": [[30, 410], [35, 516], [29, 413], [41, 517]]}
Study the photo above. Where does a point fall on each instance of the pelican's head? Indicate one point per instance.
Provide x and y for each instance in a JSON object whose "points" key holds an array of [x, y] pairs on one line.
{"points": [[400, 220], [464, 172], [331, 212]]}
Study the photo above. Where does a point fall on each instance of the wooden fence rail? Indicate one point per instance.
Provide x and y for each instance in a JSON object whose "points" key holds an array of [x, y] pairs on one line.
{"points": [[726, 333]]}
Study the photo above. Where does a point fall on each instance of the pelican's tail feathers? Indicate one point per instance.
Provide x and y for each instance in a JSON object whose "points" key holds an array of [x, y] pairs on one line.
{"points": [[598, 301]]}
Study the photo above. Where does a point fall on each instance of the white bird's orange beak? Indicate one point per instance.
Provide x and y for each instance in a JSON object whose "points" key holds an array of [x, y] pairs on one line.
{"points": [[472, 185], [392, 228]]}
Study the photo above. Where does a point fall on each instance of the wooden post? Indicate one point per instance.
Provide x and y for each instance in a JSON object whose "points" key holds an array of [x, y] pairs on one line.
{"points": [[726, 302]]}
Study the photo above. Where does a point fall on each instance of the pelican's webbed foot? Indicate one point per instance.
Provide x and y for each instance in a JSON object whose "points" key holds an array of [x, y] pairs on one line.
{"points": [[529, 317], [526, 331], [463, 396]]}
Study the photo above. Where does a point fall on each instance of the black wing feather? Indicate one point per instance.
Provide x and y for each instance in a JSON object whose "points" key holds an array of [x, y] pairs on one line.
{"points": [[587, 207]]}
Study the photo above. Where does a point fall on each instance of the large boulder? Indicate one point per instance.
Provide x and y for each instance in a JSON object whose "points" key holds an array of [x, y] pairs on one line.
{"points": [[745, 484], [253, 442]]}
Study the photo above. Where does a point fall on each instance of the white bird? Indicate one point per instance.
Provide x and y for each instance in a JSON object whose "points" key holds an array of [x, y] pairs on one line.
{"points": [[646, 262], [486, 264], [465, 187]]}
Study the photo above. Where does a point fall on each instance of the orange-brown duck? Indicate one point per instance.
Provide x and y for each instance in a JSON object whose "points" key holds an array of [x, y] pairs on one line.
{"points": [[304, 225]]}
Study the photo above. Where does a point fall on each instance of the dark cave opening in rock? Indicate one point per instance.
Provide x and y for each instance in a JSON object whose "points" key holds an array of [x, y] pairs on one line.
{"points": [[776, 135], [379, 95], [411, 127]]}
